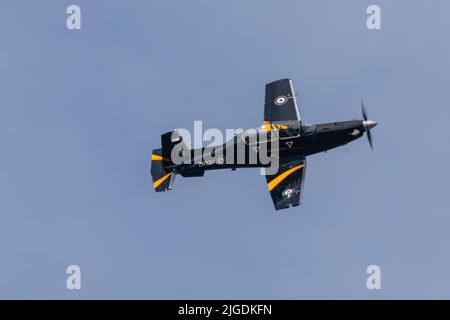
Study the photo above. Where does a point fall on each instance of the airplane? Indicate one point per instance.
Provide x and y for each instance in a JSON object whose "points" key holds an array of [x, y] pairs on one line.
{"points": [[282, 121]]}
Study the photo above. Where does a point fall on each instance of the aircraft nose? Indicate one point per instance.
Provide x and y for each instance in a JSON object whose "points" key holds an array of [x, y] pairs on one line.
{"points": [[369, 124]]}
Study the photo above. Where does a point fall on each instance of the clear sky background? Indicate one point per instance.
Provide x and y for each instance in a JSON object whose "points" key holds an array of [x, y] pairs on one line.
{"points": [[82, 110]]}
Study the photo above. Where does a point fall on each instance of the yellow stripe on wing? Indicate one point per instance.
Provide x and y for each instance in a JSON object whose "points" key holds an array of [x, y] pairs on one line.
{"points": [[267, 126], [273, 183]]}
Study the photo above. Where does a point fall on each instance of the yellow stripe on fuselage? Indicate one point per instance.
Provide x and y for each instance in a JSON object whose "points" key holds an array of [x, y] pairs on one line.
{"points": [[272, 184], [156, 157]]}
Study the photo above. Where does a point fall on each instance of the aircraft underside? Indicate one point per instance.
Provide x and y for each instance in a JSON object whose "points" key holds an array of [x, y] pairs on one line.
{"points": [[280, 146]]}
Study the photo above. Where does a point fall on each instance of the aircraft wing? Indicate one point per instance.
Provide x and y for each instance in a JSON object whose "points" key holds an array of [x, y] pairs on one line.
{"points": [[280, 103], [286, 185]]}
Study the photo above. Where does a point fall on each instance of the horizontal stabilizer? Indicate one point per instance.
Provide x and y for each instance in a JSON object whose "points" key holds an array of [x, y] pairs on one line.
{"points": [[162, 179]]}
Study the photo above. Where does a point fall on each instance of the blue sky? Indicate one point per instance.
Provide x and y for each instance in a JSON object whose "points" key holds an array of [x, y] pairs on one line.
{"points": [[82, 110]]}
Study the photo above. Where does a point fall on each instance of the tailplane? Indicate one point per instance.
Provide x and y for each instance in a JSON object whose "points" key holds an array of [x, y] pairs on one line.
{"points": [[162, 179], [163, 167]]}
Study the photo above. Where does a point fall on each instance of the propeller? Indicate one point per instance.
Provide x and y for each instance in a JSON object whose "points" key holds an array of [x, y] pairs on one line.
{"points": [[368, 124]]}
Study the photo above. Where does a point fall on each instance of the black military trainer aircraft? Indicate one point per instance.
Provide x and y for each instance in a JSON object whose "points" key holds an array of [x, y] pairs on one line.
{"points": [[282, 121]]}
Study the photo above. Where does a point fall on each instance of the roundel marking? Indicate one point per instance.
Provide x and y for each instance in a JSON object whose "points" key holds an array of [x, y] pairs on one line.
{"points": [[287, 192], [279, 101]]}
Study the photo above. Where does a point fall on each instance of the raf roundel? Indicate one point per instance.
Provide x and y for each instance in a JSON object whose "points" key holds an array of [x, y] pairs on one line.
{"points": [[279, 101], [287, 193]]}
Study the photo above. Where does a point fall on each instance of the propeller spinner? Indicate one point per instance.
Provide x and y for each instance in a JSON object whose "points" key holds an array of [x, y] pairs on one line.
{"points": [[368, 124]]}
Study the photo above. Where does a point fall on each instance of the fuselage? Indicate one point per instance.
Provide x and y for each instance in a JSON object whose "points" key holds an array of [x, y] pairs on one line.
{"points": [[293, 140]]}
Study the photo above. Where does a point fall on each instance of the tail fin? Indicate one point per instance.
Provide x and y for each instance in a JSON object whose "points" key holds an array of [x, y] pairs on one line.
{"points": [[169, 141], [163, 168], [162, 179]]}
